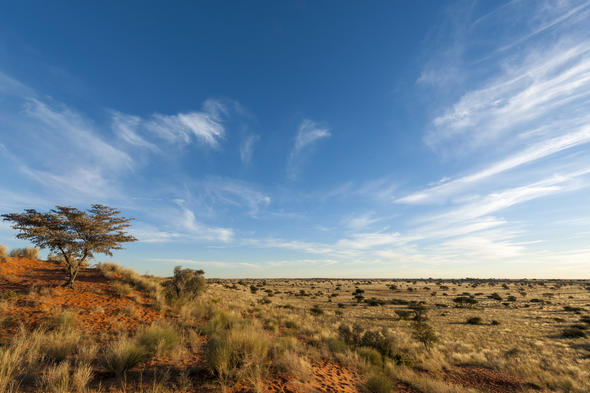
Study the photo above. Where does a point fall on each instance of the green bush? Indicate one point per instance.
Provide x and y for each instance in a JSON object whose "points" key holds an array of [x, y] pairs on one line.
{"points": [[474, 321], [185, 285]]}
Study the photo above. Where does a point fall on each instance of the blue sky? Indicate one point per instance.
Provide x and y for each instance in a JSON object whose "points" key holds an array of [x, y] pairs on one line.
{"points": [[308, 138]]}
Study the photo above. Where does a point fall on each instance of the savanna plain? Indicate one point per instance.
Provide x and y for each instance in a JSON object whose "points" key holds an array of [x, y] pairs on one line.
{"points": [[119, 331]]}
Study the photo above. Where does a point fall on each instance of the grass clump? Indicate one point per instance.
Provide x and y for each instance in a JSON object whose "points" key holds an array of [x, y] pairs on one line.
{"points": [[238, 355], [158, 338], [122, 355], [64, 321], [293, 364], [371, 355], [378, 383]]}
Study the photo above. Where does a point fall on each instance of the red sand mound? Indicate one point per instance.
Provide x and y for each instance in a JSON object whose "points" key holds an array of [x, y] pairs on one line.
{"points": [[33, 294]]}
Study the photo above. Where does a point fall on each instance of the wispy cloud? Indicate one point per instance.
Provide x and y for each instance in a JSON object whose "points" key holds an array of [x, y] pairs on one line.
{"points": [[247, 147], [308, 133], [205, 126], [126, 128]]}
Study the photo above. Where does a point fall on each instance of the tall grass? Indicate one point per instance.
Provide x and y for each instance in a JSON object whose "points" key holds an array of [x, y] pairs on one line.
{"points": [[238, 354], [122, 355]]}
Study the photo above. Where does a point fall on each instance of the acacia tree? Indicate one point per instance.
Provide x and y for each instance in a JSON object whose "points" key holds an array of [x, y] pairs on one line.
{"points": [[75, 235]]}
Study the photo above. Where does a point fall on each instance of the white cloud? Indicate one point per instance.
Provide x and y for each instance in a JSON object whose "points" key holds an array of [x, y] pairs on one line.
{"points": [[202, 231], [308, 133], [361, 221], [538, 151], [205, 126], [247, 147], [125, 126]]}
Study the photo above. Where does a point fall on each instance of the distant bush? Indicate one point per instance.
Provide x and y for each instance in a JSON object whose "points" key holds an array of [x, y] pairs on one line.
{"points": [[3, 250], [185, 285], [474, 321], [290, 324], [424, 333], [494, 322], [28, 252], [316, 310], [465, 300], [573, 333], [356, 336]]}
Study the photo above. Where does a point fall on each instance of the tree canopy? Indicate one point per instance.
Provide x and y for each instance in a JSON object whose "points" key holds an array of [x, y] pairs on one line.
{"points": [[73, 234]]}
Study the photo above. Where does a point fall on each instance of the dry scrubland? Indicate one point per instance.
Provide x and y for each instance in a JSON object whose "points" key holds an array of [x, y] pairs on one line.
{"points": [[119, 331]]}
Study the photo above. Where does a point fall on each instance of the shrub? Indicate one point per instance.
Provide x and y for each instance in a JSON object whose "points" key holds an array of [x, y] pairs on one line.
{"points": [[3, 250], [185, 285], [316, 310], [28, 252], [378, 384], [424, 333], [465, 300], [371, 355], [474, 321], [573, 333], [335, 345], [290, 324], [494, 322], [122, 355], [403, 314], [158, 338], [350, 334]]}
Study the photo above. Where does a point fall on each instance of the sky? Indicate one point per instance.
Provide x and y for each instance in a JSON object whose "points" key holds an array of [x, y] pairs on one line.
{"points": [[308, 138]]}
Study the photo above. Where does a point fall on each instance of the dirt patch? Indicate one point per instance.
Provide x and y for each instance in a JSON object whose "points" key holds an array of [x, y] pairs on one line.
{"points": [[492, 381], [33, 295]]}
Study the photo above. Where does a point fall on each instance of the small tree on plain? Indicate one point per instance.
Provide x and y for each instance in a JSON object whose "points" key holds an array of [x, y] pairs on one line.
{"points": [[73, 234], [185, 285]]}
